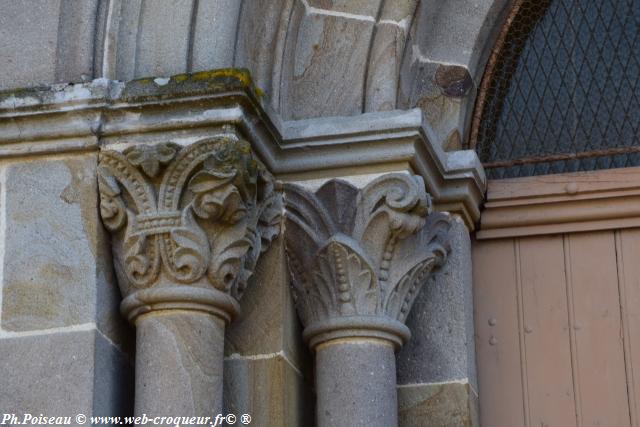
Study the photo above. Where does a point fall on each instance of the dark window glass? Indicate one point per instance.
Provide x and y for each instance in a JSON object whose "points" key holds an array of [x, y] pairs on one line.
{"points": [[563, 90]]}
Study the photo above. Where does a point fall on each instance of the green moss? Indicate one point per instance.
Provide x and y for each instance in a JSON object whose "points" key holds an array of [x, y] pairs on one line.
{"points": [[147, 88], [222, 80], [240, 74], [179, 78], [143, 81]]}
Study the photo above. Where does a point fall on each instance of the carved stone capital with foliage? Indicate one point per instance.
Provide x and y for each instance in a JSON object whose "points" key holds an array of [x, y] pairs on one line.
{"points": [[359, 257], [187, 223]]}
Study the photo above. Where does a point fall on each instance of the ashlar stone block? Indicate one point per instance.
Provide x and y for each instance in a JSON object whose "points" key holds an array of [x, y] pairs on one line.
{"points": [[57, 269], [64, 374]]}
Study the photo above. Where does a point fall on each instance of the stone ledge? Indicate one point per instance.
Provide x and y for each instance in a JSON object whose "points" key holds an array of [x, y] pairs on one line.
{"points": [[391, 141], [83, 117]]}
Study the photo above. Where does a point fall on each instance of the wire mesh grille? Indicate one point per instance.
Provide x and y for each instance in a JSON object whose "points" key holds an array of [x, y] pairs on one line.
{"points": [[563, 91]]}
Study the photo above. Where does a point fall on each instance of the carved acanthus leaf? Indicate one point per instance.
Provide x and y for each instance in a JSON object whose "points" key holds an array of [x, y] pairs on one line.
{"points": [[214, 213], [216, 196], [188, 250], [347, 266], [151, 157], [343, 283], [112, 208]]}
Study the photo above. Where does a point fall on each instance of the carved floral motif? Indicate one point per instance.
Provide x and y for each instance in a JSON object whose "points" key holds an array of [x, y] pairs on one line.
{"points": [[198, 215], [362, 253]]}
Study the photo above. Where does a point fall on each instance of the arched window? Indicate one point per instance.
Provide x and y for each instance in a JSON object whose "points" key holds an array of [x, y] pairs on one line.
{"points": [[561, 91]]}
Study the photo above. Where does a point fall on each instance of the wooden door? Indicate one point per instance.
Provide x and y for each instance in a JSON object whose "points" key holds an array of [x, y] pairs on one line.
{"points": [[557, 301]]}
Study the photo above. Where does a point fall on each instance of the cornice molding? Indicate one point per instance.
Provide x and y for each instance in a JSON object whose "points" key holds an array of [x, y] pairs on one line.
{"points": [[188, 223], [358, 257], [85, 117], [384, 142], [562, 203]]}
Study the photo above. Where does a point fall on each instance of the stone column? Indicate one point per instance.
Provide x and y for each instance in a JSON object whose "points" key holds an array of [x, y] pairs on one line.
{"points": [[188, 224], [358, 258]]}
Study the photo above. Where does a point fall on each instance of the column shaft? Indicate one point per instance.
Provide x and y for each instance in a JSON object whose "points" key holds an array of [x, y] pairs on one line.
{"points": [[179, 364], [356, 383]]}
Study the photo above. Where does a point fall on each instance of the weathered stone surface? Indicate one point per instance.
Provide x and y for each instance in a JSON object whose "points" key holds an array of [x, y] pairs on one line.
{"points": [[35, 53], [75, 41], [113, 379], [399, 11], [214, 34], [46, 42], [269, 323], [371, 144], [179, 363], [321, 57], [367, 8], [261, 38], [457, 31], [56, 272], [64, 374], [355, 383], [442, 110], [385, 58], [127, 39], [269, 388], [326, 57], [323, 147], [452, 404], [444, 34], [442, 345], [163, 37]]}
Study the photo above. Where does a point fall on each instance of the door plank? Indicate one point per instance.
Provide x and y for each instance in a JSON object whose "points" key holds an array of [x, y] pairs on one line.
{"points": [[628, 250], [599, 351], [546, 332], [497, 335]]}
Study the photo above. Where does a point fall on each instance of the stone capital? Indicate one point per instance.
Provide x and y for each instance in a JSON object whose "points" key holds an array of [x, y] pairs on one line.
{"points": [[188, 223], [358, 257]]}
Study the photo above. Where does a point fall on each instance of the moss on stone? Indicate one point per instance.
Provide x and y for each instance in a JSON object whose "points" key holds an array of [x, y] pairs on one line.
{"points": [[222, 80], [141, 89]]}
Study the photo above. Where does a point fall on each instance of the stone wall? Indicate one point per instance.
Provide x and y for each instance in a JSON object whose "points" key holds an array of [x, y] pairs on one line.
{"points": [[346, 89], [64, 346], [311, 58]]}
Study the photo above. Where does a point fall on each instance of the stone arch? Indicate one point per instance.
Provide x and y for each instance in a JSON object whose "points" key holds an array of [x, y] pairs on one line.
{"points": [[312, 58], [444, 61]]}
